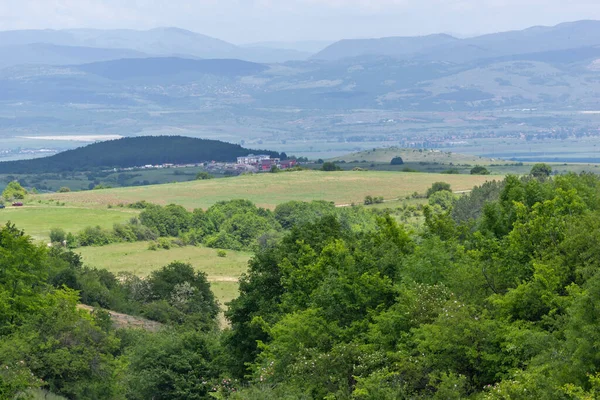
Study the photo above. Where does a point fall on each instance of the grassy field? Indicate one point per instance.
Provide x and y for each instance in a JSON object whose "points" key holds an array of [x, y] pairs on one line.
{"points": [[137, 259], [37, 220], [223, 272], [269, 190]]}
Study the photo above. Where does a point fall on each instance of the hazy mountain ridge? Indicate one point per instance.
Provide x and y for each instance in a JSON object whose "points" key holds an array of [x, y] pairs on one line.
{"points": [[532, 40], [161, 42]]}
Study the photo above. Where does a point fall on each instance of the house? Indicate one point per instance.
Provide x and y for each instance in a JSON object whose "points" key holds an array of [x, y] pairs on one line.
{"points": [[252, 159]]}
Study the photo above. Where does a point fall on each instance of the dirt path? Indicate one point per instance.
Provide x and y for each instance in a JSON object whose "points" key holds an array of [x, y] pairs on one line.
{"points": [[127, 321]]}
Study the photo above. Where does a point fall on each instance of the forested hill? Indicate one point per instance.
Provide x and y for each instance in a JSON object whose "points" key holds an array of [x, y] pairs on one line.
{"points": [[131, 152]]}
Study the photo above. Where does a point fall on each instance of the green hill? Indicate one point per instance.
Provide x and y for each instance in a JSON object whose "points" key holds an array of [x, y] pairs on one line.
{"points": [[131, 152]]}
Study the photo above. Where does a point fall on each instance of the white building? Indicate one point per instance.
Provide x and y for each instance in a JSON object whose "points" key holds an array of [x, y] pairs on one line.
{"points": [[252, 159]]}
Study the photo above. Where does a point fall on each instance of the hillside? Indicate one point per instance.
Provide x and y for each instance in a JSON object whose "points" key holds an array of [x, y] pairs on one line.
{"points": [[446, 48], [130, 152], [386, 155], [161, 67]]}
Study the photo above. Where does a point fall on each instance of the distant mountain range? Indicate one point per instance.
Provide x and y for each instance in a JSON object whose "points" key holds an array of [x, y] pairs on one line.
{"points": [[119, 82], [133, 152], [59, 47], [447, 48]]}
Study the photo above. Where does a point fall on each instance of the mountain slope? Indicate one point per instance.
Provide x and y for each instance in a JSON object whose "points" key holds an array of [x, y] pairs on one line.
{"points": [[131, 152]]}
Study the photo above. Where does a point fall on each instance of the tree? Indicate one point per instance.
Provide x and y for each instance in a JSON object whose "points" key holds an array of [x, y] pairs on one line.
{"points": [[64, 189], [397, 161], [541, 170], [14, 191], [57, 235], [479, 170], [438, 187], [329, 166]]}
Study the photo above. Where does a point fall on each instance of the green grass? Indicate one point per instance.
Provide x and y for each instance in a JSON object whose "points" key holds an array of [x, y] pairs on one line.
{"points": [[269, 190], [37, 220], [137, 259]]}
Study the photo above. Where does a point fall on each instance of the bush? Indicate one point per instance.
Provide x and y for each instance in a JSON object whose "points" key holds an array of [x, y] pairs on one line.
{"points": [[221, 253], [479, 170], [438, 187], [64, 189], [164, 243], [95, 236], [153, 246], [202, 176]]}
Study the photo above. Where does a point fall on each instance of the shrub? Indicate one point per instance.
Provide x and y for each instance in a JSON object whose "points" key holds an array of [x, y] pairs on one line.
{"points": [[64, 189], [438, 187], [164, 243], [479, 170], [153, 246], [95, 236], [221, 253], [202, 176]]}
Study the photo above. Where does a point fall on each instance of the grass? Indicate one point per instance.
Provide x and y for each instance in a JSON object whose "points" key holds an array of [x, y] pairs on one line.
{"points": [[223, 272], [137, 259], [37, 220], [269, 190]]}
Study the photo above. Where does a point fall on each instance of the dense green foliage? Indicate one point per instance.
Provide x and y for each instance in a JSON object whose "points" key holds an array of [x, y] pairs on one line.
{"points": [[132, 152], [497, 304], [494, 296]]}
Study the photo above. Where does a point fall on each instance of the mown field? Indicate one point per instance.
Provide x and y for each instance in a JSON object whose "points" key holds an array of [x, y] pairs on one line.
{"points": [[38, 219], [269, 190]]}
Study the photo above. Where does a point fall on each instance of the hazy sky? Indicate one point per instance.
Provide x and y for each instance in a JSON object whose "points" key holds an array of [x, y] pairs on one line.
{"points": [[242, 21]]}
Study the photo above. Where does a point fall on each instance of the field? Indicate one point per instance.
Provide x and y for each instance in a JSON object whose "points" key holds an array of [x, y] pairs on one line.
{"points": [[223, 272], [136, 258], [37, 220], [269, 190]]}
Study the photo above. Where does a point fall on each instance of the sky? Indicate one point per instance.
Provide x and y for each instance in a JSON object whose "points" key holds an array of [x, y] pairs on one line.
{"points": [[246, 21]]}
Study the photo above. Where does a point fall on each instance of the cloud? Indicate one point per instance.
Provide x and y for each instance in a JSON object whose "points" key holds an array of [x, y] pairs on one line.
{"points": [[249, 20]]}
